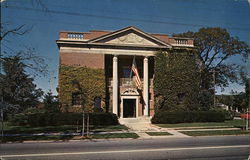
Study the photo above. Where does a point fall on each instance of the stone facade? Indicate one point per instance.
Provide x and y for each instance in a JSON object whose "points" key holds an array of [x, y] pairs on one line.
{"points": [[114, 52]]}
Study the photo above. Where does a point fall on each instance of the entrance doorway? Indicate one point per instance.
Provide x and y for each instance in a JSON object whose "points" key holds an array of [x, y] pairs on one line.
{"points": [[129, 108]]}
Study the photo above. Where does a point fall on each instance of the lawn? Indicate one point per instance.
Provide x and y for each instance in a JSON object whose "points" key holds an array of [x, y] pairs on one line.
{"points": [[215, 132], [9, 129], [114, 135], [67, 137], [232, 123], [158, 133], [33, 138]]}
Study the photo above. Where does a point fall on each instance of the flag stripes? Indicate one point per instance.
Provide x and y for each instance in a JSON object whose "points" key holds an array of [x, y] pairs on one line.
{"points": [[138, 82]]}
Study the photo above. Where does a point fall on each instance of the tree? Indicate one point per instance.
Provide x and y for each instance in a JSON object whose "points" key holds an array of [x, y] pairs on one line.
{"points": [[50, 102], [214, 47], [17, 86]]}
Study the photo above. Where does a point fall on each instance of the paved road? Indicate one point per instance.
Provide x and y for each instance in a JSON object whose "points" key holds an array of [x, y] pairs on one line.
{"points": [[217, 147]]}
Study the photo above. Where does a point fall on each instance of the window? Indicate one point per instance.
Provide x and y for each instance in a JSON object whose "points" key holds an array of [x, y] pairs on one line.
{"points": [[76, 99], [97, 102], [126, 72], [181, 97]]}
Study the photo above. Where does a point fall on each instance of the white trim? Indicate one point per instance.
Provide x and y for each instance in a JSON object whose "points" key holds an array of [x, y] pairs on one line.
{"points": [[108, 51], [136, 101], [126, 29]]}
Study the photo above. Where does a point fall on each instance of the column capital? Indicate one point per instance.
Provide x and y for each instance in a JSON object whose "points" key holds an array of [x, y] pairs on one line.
{"points": [[115, 58], [145, 59]]}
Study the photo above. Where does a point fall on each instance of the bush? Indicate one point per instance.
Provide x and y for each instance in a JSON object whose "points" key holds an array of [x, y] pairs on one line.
{"points": [[188, 117], [229, 115], [54, 119]]}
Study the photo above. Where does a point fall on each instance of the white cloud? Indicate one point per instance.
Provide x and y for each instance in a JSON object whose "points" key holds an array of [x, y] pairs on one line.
{"points": [[2, 1]]}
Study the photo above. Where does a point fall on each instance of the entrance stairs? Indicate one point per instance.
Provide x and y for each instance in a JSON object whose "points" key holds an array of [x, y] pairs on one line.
{"points": [[138, 124]]}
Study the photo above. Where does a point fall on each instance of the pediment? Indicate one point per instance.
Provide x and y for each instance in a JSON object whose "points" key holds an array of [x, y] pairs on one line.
{"points": [[132, 39], [130, 36]]}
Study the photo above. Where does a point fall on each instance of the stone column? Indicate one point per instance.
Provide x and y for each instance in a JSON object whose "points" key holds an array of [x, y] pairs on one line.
{"points": [[145, 85], [115, 85]]}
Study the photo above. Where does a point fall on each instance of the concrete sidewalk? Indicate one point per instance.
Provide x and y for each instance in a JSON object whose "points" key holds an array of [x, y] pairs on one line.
{"points": [[143, 125]]}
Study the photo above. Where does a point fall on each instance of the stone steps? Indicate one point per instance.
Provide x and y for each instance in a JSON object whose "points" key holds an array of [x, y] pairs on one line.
{"points": [[135, 120]]}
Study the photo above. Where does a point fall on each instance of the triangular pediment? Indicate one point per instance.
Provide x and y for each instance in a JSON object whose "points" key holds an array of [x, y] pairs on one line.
{"points": [[130, 36]]}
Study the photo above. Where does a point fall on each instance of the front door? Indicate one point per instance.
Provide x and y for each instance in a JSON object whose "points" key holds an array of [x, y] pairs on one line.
{"points": [[129, 108]]}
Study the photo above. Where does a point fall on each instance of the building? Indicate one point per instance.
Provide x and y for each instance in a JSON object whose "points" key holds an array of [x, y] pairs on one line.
{"points": [[111, 54]]}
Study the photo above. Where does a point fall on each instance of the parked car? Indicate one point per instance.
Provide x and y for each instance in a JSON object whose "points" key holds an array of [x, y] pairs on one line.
{"points": [[245, 115]]}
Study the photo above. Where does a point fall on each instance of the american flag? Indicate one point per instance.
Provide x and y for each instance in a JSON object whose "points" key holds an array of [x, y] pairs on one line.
{"points": [[137, 77]]}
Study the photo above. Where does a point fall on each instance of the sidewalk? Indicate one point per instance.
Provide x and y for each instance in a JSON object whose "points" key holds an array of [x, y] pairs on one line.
{"points": [[141, 130]]}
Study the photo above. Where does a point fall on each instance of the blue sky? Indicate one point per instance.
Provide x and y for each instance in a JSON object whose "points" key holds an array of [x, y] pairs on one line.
{"points": [[155, 16]]}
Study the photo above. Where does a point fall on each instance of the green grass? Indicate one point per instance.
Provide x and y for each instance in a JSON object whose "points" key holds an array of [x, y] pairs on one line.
{"points": [[68, 137], [108, 128], [215, 132], [211, 127], [114, 135], [158, 133], [9, 129], [34, 138], [232, 123]]}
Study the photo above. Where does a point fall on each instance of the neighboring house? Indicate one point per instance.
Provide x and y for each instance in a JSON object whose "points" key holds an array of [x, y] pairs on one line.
{"points": [[222, 106], [109, 56]]}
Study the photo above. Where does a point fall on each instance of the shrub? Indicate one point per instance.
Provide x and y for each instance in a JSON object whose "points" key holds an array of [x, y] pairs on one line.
{"points": [[53, 119], [188, 116], [229, 115]]}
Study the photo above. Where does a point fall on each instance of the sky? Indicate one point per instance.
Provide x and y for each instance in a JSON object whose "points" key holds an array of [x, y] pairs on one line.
{"points": [[47, 18]]}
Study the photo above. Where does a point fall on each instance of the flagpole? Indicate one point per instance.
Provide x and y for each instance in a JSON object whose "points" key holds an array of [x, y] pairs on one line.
{"points": [[131, 68]]}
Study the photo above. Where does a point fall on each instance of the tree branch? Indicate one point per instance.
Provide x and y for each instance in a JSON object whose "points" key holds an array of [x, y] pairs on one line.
{"points": [[16, 31]]}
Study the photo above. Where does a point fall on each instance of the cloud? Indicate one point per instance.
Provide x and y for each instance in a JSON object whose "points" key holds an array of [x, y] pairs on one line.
{"points": [[2, 1]]}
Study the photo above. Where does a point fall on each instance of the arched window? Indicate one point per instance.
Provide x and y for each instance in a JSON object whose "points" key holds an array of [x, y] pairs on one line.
{"points": [[97, 102]]}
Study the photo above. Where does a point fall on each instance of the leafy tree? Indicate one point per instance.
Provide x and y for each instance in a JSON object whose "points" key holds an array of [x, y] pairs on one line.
{"points": [[215, 46], [51, 103], [17, 86]]}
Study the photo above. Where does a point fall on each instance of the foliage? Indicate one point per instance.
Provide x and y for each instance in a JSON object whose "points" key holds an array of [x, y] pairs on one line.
{"points": [[188, 116], [88, 82], [18, 88], [238, 101], [206, 100], [51, 103], [238, 123], [176, 81], [229, 115], [55, 119], [215, 46]]}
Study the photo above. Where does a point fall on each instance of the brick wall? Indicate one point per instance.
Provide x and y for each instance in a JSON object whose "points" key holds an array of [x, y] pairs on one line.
{"points": [[81, 60]]}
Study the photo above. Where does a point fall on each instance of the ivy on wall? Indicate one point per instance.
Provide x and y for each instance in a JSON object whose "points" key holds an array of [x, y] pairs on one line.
{"points": [[176, 81], [87, 82]]}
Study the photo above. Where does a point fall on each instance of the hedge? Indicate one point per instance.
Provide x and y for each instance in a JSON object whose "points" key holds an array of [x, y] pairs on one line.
{"points": [[55, 119], [188, 117]]}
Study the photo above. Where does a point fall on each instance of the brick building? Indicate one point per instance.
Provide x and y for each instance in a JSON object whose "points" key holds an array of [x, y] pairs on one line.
{"points": [[113, 53]]}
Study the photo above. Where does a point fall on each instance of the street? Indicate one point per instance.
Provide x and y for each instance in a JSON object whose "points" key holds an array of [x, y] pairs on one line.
{"points": [[214, 147]]}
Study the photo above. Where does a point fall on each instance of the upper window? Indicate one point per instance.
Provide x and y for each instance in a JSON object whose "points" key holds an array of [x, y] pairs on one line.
{"points": [[126, 72]]}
